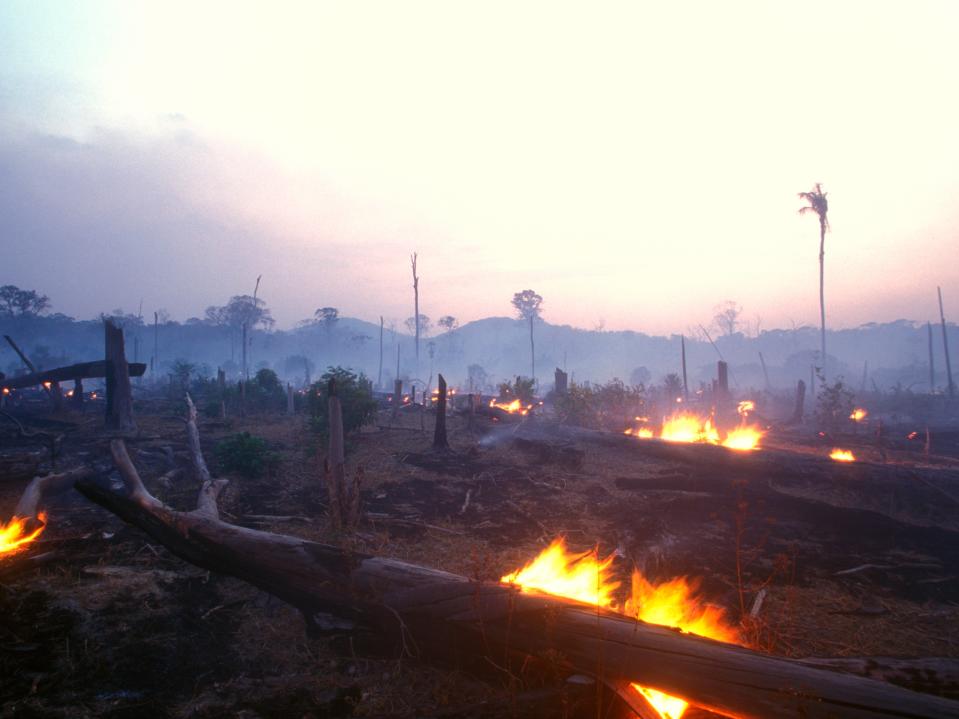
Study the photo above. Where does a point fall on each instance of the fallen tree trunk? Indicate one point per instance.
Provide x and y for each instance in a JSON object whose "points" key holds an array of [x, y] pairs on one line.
{"points": [[431, 610], [83, 370]]}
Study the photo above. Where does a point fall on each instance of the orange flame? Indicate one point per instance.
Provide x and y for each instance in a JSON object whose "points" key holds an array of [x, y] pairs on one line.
{"points": [[690, 427], [858, 414], [13, 534], [512, 407], [587, 578], [842, 455]]}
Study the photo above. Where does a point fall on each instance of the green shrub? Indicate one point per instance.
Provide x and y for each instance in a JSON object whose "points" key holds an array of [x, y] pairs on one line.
{"points": [[356, 396], [245, 454]]}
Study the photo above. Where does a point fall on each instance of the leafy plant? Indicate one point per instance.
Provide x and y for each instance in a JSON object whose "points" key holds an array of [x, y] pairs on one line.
{"points": [[521, 389], [356, 396], [833, 404], [245, 454]]}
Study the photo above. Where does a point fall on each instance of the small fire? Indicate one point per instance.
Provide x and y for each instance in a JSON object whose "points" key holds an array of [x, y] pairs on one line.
{"points": [[14, 535], [858, 414], [745, 407], [644, 433], [842, 455], [912, 435], [689, 427], [47, 385], [513, 407], [588, 578]]}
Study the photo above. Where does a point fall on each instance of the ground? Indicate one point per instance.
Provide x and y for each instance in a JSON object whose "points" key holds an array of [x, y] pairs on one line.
{"points": [[107, 623]]}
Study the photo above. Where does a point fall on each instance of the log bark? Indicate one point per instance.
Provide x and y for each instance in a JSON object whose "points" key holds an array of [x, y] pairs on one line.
{"points": [[431, 611], [119, 412]]}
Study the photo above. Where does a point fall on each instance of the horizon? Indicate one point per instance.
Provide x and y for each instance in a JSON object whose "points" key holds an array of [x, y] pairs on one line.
{"points": [[635, 166]]}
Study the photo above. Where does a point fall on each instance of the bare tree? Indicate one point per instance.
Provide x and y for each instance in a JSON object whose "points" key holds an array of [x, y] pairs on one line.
{"points": [[818, 204], [422, 327], [727, 317], [416, 308], [527, 304]]}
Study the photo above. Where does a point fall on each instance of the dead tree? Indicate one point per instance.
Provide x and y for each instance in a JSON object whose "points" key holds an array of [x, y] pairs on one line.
{"points": [[932, 366], [290, 407], [344, 497], [682, 347], [436, 613], [416, 309], [950, 386], [379, 373], [439, 431], [119, 413], [800, 403], [560, 382], [397, 398]]}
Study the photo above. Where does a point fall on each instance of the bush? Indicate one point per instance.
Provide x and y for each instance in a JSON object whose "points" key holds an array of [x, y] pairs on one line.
{"points": [[356, 396], [245, 454], [521, 389], [834, 405], [605, 406]]}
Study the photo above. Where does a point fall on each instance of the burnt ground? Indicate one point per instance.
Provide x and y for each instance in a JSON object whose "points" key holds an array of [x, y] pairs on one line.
{"points": [[106, 623]]}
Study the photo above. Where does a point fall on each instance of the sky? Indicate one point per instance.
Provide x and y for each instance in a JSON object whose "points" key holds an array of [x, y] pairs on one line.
{"points": [[634, 163]]}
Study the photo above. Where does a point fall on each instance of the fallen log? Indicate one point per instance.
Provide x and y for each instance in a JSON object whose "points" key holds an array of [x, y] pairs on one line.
{"points": [[434, 611], [83, 370]]}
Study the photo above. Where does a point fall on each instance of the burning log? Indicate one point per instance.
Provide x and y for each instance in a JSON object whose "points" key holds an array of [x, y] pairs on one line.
{"points": [[437, 612]]}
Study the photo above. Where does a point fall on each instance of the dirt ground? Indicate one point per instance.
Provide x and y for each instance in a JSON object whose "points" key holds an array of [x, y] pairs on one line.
{"points": [[111, 625]]}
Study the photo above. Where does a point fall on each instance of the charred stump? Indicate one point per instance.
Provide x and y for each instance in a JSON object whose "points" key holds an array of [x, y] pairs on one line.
{"points": [[439, 431], [119, 413]]}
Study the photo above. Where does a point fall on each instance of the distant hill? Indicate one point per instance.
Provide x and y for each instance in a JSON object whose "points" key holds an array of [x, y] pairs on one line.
{"points": [[885, 354]]}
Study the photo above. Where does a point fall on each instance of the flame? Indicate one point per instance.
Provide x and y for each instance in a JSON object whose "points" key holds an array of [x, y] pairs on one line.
{"points": [[587, 578], [745, 407], [912, 435], [13, 534], [842, 455], [511, 407], [858, 414], [666, 706], [690, 427], [743, 438]]}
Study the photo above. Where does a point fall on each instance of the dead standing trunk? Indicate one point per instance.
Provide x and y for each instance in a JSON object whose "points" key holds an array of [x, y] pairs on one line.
{"points": [[532, 349], [416, 311], [822, 291], [439, 431], [951, 387], [119, 412], [344, 499]]}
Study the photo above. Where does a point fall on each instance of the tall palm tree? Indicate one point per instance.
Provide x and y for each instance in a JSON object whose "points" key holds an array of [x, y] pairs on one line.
{"points": [[818, 204]]}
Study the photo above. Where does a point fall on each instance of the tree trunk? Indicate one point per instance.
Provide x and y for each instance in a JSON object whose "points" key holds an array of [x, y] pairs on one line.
{"points": [[532, 350], [379, 373], [119, 414], [416, 311], [439, 431], [441, 613], [932, 368], [951, 387], [682, 347], [800, 403], [822, 291], [290, 406]]}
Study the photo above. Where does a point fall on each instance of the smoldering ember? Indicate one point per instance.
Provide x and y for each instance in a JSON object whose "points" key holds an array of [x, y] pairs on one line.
{"points": [[464, 362]]}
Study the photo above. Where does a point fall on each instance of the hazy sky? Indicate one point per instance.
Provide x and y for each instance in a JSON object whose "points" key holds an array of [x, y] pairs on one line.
{"points": [[635, 163]]}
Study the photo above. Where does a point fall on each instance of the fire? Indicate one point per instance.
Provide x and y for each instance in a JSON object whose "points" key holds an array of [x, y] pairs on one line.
{"points": [[745, 407], [512, 407], [743, 438], [588, 578], [13, 535], [858, 414], [842, 455], [690, 427]]}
